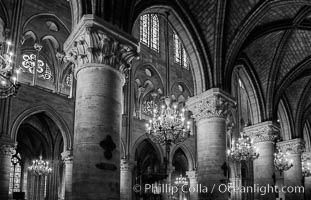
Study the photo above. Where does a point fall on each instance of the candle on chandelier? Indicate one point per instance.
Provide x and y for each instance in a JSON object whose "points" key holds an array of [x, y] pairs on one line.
{"points": [[8, 48]]}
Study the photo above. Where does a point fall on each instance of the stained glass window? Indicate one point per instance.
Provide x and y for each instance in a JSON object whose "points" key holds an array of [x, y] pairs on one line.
{"points": [[149, 31], [144, 29], [15, 174], [177, 48], [43, 69], [180, 54], [155, 32]]}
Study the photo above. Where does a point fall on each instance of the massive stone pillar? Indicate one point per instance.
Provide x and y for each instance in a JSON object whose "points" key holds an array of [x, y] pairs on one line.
{"points": [[67, 158], [6, 152], [293, 177], [193, 182], [263, 136], [101, 55], [210, 110], [126, 179]]}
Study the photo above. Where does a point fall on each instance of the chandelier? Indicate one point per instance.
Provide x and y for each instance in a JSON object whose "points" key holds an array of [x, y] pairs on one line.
{"points": [[8, 81], [180, 181], [168, 124], [40, 167], [306, 168], [243, 150], [281, 163]]}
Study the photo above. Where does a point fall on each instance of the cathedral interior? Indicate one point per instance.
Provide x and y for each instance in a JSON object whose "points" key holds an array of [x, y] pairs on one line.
{"points": [[155, 99]]}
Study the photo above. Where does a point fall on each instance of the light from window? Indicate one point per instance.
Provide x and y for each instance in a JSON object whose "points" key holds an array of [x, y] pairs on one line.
{"points": [[241, 84], [15, 174], [144, 29], [177, 49], [43, 69], [149, 31], [180, 54], [155, 32]]}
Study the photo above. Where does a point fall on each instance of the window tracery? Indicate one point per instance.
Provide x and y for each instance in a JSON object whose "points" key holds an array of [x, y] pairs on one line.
{"points": [[43, 69]]}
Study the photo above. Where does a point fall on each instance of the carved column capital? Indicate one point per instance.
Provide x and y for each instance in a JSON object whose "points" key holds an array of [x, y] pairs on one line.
{"points": [[67, 156], [265, 131], [211, 103], [294, 146], [7, 149], [127, 165], [192, 174], [95, 41]]}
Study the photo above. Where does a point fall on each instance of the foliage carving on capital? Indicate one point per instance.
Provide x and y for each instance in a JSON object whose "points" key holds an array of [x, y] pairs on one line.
{"points": [[7, 150], [95, 46], [265, 132], [211, 106], [295, 146], [67, 156]]}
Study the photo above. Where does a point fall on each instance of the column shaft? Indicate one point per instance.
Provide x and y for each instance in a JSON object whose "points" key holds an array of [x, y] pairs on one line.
{"points": [[293, 179], [263, 134], [210, 111], [211, 134], [97, 127], [193, 182], [307, 187], [126, 186], [6, 152], [264, 169], [68, 180]]}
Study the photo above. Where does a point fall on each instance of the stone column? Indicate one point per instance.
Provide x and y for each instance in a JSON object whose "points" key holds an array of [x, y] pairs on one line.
{"points": [[126, 179], [193, 182], [101, 55], [263, 135], [293, 177], [210, 110], [306, 161], [67, 158], [6, 152]]}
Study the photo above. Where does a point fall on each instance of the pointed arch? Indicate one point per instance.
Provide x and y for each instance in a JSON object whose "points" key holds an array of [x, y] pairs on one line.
{"points": [[54, 115], [139, 140], [252, 87], [184, 148]]}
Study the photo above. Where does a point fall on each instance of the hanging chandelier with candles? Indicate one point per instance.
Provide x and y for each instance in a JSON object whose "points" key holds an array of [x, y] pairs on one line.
{"points": [[40, 167], [281, 163], [181, 181], [8, 78], [243, 150], [168, 124]]}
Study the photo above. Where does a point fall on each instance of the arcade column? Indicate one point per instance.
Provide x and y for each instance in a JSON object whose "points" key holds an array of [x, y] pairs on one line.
{"points": [[263, 135], [210, 110], [293, 178], [101, 54]]}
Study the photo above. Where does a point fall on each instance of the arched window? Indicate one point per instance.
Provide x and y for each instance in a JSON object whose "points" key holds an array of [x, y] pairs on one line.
{"points": [[15, 174], [149, 31], [180, 54]]}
